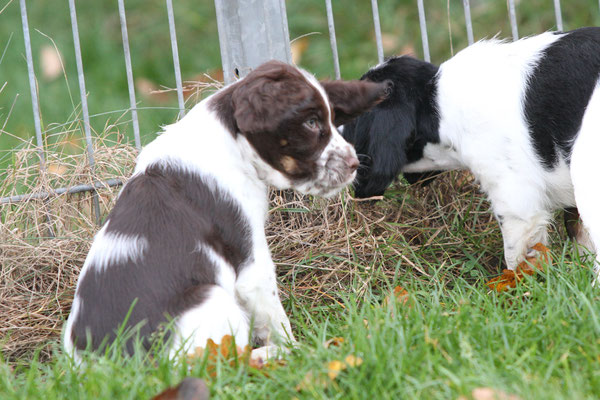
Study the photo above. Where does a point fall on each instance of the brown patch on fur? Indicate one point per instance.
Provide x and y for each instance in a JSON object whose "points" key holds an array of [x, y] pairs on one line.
{"points": [[174, 212], [289, 164], [350, 99], [271, 105]]}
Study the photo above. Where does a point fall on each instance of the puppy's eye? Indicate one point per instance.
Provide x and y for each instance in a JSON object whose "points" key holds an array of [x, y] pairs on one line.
{"points": [[312, 124]]}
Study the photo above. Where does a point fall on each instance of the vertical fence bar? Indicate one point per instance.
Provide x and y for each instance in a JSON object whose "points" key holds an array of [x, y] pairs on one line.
{"points": [[132, 102], [84, 105], [558, 14], [468, 21], [332, 39], [513, 19], [173, 35], [377, 26], [423, 25], [32, 85], [34, 99]]}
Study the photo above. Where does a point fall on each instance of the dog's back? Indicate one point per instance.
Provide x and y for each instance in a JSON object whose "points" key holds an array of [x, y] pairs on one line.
{"points": [[151, 250], [523, 117]]}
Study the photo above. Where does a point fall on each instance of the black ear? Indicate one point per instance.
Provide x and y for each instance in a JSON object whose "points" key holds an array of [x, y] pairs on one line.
{"points": [[352, 98], [380, 138]]}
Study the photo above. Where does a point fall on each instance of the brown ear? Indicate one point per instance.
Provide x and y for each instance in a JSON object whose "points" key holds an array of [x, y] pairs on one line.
{"points": [[264, 95], [352, 98]]}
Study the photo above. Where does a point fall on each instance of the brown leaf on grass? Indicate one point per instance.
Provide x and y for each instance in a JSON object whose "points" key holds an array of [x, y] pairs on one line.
{"points": [[353, 361], [334, 368], [530, 266], [189, 389], [334, 341], [230, 353], [400, 296], [489, 394]]}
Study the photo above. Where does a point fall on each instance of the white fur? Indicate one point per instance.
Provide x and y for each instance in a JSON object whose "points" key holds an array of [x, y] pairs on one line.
{"points": [[67, 342], [225, 274], [217, 316], [110, 248], [235, 167], [200, 144], [585, 166], [482, 128], [107, 248]]}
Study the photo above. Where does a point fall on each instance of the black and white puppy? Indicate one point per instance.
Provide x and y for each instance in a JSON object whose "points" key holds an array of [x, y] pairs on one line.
{"points": [[185, 240], [523, 117]]}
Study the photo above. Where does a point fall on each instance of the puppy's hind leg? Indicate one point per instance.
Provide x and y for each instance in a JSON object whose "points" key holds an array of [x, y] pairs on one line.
{"points": [[585, 164], [216, 315]]}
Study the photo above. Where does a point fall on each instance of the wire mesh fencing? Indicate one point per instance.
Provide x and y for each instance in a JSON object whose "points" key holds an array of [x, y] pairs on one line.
{"points": [[227, 30]]}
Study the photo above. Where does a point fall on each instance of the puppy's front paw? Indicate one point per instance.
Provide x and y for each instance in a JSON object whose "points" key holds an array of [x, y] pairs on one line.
{"points": [[266, 353]]}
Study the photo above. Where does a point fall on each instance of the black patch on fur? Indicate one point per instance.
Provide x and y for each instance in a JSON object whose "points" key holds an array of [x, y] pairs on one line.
{"points": [[558, 92], [395, 132], [174, 211], [572, 222]]}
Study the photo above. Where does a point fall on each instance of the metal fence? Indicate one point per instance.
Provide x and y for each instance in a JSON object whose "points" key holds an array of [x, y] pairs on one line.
{"points": [[243, 46]]}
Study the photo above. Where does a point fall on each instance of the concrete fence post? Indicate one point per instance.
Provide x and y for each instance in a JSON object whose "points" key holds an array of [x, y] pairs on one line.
{"points": [[250, 33]]}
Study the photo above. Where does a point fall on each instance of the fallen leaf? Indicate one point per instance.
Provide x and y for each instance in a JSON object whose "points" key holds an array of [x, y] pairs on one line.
{"points": [[50, 62], [530, 266], [298, 47], [226, 350], [353, 361], [152, 91], [311, 380], [334, 341], [334, 368], [400, 296], [56, 169]]}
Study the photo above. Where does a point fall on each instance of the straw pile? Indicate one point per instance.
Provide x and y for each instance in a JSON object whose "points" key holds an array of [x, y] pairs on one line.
{"points": [[322, 247]]}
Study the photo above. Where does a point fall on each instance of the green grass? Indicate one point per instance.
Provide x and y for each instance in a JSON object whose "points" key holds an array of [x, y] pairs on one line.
{"points": [[539, 341]]}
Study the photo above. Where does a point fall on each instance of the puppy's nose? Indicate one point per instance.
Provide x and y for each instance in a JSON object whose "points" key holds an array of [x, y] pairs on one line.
{"points": [[352, 162]]}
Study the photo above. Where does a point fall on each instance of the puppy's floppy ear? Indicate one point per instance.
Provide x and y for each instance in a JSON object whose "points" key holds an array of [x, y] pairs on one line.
{"points": [[352, 98], [381, 136], [264, 95]]}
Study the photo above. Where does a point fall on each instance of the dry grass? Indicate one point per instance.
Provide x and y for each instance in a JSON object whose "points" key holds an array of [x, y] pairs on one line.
{"points": [[322, 247], [328, 246]]}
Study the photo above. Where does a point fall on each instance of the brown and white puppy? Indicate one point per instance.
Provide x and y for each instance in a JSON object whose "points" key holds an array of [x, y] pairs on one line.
{"points": [[185, 240]]}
